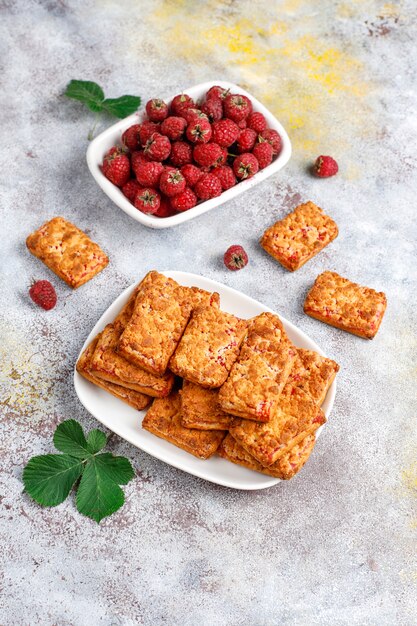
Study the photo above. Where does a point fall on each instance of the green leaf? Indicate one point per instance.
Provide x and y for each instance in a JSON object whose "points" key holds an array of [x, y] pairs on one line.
{"points": [[48, 478], [96, 440], [87, 92], [69, 438], [99, 495], [123, 106]]}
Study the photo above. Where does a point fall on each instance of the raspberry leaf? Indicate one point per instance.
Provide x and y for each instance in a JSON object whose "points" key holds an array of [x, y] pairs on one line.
{"points": [[96, 440], [69, 438], [49, 478], [87, 92], [123, 106], [99, 494]]}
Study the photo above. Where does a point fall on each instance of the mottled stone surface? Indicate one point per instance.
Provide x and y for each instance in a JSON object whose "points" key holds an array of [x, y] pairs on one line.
{"points": [[337, 544]]}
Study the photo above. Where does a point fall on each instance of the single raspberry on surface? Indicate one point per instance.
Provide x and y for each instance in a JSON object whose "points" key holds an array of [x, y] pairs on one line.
{"points": [[236, 107], [173, 127], [146, 130], [43, 294], [193, 114], [181, 153], [208, 187], [137, 157], [207, 154], [131, 188], [148, 173], [272, 137], [181, 103], [116, 166], [226, 176], [158, 147], [184, 201], [245, 166], [157, 110], [225, 132], [246, 140], [191, 173], [131, 138], [147, 200], [235, 258], [199, 131], [264, 153], [165, 209], [325, 166], [256, 121], [172, 182], [213, 108]]}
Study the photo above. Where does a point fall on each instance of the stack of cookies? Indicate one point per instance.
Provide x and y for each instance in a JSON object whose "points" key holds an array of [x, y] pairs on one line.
{"points": [[224, 385]]}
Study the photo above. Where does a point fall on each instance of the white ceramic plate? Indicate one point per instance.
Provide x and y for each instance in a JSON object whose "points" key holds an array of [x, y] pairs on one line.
{"points": [[112, 136], [126, 421]]}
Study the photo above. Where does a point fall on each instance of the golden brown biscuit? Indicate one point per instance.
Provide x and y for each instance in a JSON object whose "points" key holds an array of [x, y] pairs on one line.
{"points": [[285, 468], [209, 347], [161, 313], [318, 374], [296, 417], [138, 400], [299, 236], [67, 251], [346, 305], [200, 408], [257, 379], [163, 419]]}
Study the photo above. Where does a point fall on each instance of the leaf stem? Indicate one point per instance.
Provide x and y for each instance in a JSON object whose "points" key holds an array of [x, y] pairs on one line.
{"points": [[90, 135]]}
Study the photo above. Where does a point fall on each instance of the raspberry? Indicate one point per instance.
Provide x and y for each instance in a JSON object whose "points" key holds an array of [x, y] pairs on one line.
{"points": [[116, 166], [148, 173], [131, 188], [246, 140], [146, 130], [223, 158], [208, 187], [158, 147], [199, 131], [157, 110], [272, 137], [191, 173], [257, 122], [213, 108], [173, 127], [235, 258], [264, 153], [242, 124], [207, 154], [184, 200], [147, 200], [165, 209], [181, 103], [130, 137], [225, 132], [226, 176], [217, 92], [191, 115], [43, 294], [245, 166], [137, 157], [172, 182], [236, 107], [325, 166], [181, 153]]}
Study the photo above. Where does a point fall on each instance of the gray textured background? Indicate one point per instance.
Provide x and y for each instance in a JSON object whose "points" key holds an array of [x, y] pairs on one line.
{"points": [[337, 544]]}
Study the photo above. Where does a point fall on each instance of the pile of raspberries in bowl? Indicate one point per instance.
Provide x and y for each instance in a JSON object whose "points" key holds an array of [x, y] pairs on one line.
{"points": [[190, 152]]}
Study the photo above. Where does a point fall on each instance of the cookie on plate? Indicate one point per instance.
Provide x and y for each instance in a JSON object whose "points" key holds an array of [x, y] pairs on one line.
{"points": [[346, 305], [257, 379], [136, 399], [163, 419], [298, 237], [209, 347], [285, 468], [200, 408], [318, 373], [67, 251]]}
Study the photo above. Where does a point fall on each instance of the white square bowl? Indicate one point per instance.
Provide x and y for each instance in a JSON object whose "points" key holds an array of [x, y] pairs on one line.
{"points": [[112, 136]]}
